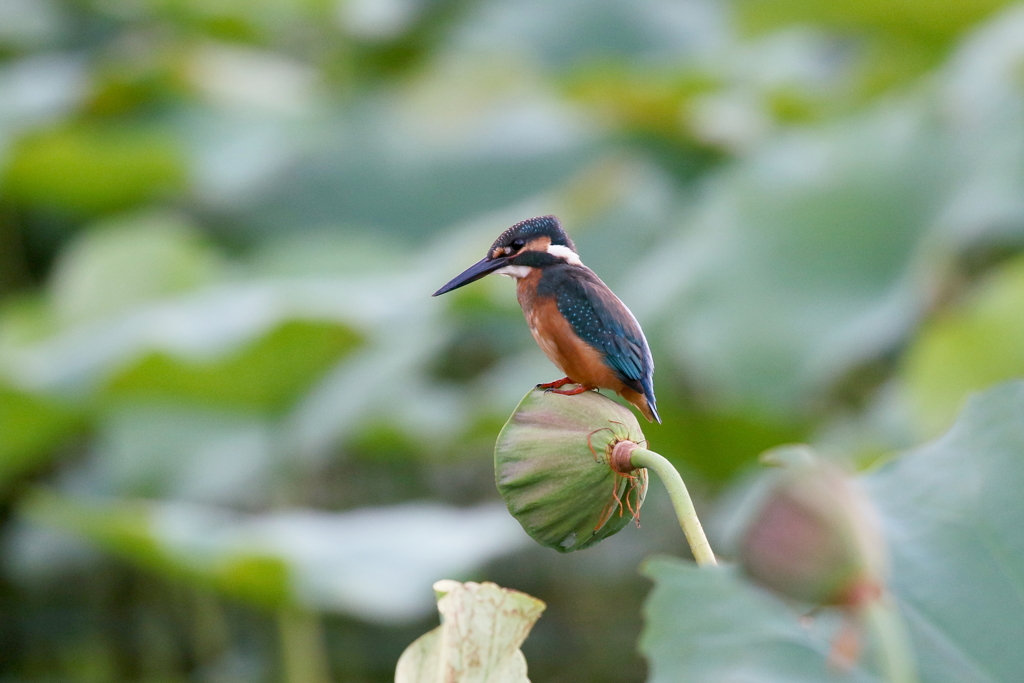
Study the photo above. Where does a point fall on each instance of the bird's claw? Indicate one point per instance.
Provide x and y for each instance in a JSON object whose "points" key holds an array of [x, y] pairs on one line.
{"points": [[551, 386], [580, 388]]}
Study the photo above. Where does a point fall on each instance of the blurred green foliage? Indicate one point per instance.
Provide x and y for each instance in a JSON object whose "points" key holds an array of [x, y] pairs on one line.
{"points": [[91, 170], [972, 345], [268, 374], [126, 530], [951, 514], [222, 378], [30, 429]]}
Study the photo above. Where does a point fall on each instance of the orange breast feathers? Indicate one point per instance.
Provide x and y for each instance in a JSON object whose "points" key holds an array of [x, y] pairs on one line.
{"points": [[578, 360]]}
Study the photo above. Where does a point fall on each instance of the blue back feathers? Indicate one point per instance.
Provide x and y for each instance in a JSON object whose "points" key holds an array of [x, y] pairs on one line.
{"points": [[602, 321]]}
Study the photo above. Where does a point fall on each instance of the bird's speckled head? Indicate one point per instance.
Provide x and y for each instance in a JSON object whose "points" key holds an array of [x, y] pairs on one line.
{"points": [[532, 231], [534, 243]]}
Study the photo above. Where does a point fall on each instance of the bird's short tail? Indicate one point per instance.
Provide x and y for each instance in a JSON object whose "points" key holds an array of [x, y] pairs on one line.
{"points": [[644, 403], [652, 403]]}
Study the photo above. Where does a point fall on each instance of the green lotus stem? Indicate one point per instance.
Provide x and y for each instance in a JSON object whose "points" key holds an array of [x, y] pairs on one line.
{"points": [[303, 651], [681, 502], [895, 656]]}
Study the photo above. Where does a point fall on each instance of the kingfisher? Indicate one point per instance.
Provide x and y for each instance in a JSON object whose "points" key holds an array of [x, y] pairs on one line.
{"points": [[582, 327]]}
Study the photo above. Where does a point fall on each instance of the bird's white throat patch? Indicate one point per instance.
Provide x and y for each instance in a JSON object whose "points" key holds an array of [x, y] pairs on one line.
{"points": [[562, 251], [516, 272]]}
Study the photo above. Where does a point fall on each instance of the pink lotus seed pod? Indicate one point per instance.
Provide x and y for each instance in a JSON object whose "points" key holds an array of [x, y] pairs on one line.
{"points": [[815, 538]]}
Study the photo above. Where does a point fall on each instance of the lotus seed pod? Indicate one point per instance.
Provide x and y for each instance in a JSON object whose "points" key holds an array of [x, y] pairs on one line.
{"points": [[815, 538], [551, 465]]}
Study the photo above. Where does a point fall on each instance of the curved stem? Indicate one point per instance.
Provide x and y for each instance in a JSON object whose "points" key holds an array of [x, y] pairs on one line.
{"points": [[699, 546], [895, 655]]}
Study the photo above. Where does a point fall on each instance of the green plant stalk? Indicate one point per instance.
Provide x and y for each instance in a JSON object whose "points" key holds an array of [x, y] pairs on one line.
{"points": [[681, 502], [303, 651], [895, 656]]}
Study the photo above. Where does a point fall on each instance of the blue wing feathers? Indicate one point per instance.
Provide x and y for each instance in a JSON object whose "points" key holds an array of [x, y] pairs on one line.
{"points": [[602, 321]]}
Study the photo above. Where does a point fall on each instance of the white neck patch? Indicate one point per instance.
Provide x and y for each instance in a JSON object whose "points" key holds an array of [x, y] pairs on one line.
{"points": [[562, 251], [515, 272]]}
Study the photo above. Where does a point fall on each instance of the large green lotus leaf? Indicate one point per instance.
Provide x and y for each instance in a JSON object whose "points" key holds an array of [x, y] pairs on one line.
{"points": [[131, 529], [266, 374], [200, 333], [482, 627], [898, 41], [413, 169], [371, 563], [568, 33], [130, 293], [30, 428], [977, 344], [706, 625], [449, 145], [820, 250], [164, 450], [952, 517], [89, 169], [939, 21], [980, 89], [119, 264], [800, 262]]}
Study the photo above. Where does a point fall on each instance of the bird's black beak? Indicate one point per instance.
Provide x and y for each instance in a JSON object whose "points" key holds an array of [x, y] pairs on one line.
{"points": [[476, 271]]}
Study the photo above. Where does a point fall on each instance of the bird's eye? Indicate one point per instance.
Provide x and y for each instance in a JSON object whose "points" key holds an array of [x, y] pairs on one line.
{"points": [[518, 244]]}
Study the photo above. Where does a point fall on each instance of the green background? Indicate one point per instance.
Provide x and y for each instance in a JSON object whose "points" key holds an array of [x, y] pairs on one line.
{"points": [[238, 439]]}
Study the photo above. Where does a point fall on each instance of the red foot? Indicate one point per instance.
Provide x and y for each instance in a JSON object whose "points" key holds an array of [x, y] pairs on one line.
{"points": [[554, 385], [572, 392]]}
